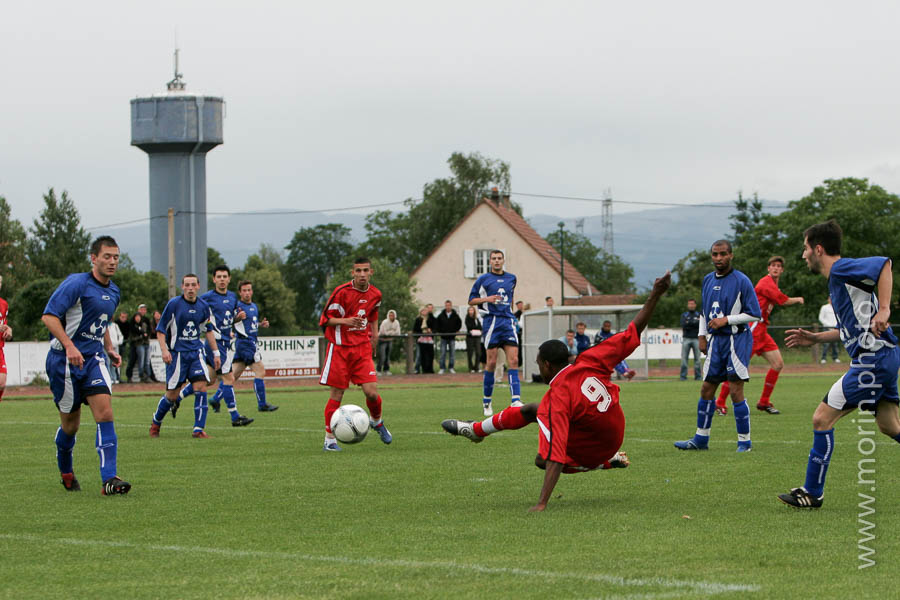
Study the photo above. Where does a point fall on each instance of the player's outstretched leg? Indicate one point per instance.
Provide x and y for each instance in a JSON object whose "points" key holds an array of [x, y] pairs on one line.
{"points": [[162, 408], [810, 495], [514, 417], [722, 398], [64, 445], [700, 441]]}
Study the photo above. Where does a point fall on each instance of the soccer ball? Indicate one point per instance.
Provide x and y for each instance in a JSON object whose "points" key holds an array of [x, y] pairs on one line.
{"points": [[350, 424]]}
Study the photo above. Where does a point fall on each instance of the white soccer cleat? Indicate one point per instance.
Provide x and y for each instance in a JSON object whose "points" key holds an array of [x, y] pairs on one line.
{"points": [[488, 409], [619, 461], [516, 404], [463, 428]]}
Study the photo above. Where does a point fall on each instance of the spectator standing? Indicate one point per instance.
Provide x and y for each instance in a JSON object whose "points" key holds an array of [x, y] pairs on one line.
{"points": [[117, 339], [449, 324], [425, 324], [582, 340], [473, 340], [147, 372], [520, 308], [829, 321], [389, 327], [139, 340], [690, 341]]}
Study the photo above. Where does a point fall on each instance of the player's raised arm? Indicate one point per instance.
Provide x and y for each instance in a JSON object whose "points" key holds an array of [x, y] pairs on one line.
{"points": [[660, 285]]}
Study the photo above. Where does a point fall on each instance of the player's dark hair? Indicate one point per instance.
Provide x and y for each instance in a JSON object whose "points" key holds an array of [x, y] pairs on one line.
{"points": [[221, 268], [605, 322], [100, 242], [186, 275], [548, 298], [244, 282], [554, 352], [361, 260], [776, 259], [495, 251], [580, 323], [721, 243], [828, 235], [572, 331]]}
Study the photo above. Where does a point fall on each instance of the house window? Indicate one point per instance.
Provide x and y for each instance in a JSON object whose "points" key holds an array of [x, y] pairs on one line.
{"points": [[477, 262]]}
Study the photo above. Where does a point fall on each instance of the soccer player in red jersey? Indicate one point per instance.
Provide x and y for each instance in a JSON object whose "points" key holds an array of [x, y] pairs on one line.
{"points": [[5, 335], [581, 421], [350, 323], [763, 345]]}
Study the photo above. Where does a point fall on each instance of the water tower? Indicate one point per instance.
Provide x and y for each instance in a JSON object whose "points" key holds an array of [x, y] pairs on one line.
{"points": [[177, 129]]}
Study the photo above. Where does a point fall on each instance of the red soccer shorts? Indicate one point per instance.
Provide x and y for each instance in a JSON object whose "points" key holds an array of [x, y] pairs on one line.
{"points": [[2, 362], [348, 364], [587, 450], [762, 341]]}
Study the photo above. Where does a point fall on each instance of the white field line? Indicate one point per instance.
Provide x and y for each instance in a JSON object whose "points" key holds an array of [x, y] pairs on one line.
{"points": [[700, 587], [189, 424]]}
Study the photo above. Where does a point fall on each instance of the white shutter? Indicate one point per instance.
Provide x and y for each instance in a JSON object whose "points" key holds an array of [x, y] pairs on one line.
{"points": [[469, 263]]}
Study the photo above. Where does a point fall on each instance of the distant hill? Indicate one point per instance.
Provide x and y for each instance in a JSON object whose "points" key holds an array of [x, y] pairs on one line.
{"points": [[651, 241]]}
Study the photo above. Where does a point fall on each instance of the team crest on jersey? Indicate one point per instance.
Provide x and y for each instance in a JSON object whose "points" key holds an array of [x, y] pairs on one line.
{"points": [[190, 330]]}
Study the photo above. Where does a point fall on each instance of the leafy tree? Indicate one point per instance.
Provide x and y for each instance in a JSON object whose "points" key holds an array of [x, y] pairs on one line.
{"points": [[687, 277], [397, 288], [149, 288], [28, 306], [609, 273], [14, 266], [58, 244], [314, 255], [405, 239], [213, 260], [275, 300], [749, 215]]}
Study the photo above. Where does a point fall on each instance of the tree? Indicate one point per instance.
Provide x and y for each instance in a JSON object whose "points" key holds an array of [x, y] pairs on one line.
{"points": [[749, 215], [607, 272], [405, 239], [213, 260], [314, 255], [58, 244], [28, 306], [275, 300], [14, 265], [137, 288]]}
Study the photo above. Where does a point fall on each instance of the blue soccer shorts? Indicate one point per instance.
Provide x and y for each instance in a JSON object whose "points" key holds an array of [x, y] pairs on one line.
{"points": [[869, 380], [72, 386], [498, 331], [186, 366], [226, 356], [728, 357], [246, 352]]}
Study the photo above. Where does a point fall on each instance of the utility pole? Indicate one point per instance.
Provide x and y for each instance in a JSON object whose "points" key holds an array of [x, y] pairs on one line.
{"points": [[171, 276], [562, 264], [606, 222]]}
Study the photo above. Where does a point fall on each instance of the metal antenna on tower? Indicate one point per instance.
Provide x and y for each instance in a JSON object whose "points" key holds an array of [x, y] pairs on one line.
{"points": [[579, 226], [606, 222], [177, 84]]}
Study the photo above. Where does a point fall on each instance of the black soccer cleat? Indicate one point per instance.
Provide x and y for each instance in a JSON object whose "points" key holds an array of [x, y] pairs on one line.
{"points": [[268, 408], [241, 421], [114, 485], [463, 428], [216, 406], [768, 408], [70, 483], [175, 406], [800, 498]]}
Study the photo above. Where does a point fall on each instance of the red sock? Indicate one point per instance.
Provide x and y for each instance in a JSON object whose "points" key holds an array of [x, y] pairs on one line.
{"points": [[1, 393], [374, 408], [771, 378], [508, 418], [330, 407], [723, 395]]}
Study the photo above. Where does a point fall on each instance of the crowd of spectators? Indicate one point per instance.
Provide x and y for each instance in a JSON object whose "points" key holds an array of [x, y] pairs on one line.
{"points": [[130, 337]]}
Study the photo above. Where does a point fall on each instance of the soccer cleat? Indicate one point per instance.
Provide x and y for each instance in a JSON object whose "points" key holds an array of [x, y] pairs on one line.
{"points": [[154, 430], [114, 485], [175, 406], [690, 445], [69, 482], [463, 428], [452, 370], [619, 461], [215, 405], [722, 410], [516, 404], [744, 446], [629, 374], [267, 408], [241, 421], [331, 446], [488, 409], [382, 431], [441, 372], [200, 434], [800, 498], [768, 408]]}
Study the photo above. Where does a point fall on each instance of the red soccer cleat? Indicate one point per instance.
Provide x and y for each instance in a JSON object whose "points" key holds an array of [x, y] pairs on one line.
{"points": [[629, 374], [200, 434], [154, 430]]}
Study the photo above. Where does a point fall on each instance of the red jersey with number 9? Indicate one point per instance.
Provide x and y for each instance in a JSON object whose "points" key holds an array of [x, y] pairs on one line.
{"points": [[582, 424], [346, 301]]}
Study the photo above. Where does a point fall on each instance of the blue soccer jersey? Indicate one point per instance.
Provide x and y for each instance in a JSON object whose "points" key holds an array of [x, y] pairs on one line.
{"points": [[84, 306], [730, 294], [223, 307], [491, 284], [248, 329], [185, 323], [852, 286]]}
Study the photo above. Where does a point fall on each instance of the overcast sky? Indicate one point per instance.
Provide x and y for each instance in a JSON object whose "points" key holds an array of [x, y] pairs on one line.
{"points": [[344, 104]]}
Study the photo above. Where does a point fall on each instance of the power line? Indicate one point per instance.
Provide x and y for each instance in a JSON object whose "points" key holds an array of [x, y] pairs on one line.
{"points": [[639, 202]]}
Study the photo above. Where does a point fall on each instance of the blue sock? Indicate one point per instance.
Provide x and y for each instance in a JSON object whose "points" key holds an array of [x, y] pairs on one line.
{"points": [[819, 457], [64, 445], [897, 438], [705, 410], [621, 368], [514, 387], [200, 410], [259, 386], [488, 385], [107, 445], [226, 392], [217, 397], [742, 420], [186, 391], [161, 410]]}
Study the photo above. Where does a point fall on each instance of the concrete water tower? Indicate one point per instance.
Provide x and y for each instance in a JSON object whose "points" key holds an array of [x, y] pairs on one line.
{"points": [[177, 129]]}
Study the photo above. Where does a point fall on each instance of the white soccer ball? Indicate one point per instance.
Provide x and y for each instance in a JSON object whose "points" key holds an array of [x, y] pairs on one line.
{"points": [[350, 424]]}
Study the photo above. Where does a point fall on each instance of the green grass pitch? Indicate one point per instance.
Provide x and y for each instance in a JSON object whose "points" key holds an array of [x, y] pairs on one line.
{"points": [[262, 512]]}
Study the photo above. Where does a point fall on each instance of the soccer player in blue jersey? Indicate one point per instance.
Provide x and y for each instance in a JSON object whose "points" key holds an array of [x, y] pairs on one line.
{"points": [[225, 312], [183, 318], [604, 334], [77, 315], [729, 306], [860, 291], [247, 345], [492, 293]]}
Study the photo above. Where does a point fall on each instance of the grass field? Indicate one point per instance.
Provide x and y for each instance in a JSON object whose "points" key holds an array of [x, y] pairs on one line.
{"points": [[262, 512]]}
